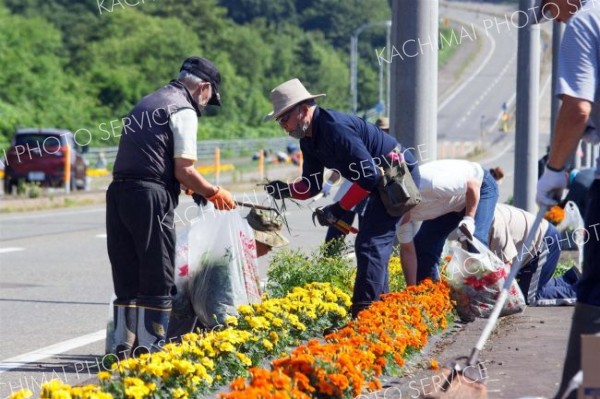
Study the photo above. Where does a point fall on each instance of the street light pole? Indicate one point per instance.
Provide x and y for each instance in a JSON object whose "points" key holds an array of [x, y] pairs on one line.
{"points": [[354, 60]]}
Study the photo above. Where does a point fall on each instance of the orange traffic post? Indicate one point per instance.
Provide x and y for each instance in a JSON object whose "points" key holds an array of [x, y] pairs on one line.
{"points": [[261, 164], [67, 173], [217, 164]]}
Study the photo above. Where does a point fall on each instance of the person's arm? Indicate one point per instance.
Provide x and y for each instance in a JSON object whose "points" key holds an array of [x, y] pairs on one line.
{"points": [[184, 125], [189, 177], [408, 256], [328, 185], [569, 128], [408, 253], [472, 197], [578, 74]]}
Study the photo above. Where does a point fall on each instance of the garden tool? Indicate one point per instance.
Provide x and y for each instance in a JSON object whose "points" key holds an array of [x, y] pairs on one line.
{"points": [[338, 224], [473, 370]]}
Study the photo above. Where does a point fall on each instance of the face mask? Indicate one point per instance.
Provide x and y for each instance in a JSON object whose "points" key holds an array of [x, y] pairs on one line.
{"points": [[299, 131], [201, 102]]}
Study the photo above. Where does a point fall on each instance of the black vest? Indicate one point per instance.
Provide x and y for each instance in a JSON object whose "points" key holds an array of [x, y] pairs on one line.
{"points": [[146, 145]]}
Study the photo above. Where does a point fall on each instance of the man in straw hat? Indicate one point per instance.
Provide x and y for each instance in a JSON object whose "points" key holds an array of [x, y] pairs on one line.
{"points": [[356, 150]]}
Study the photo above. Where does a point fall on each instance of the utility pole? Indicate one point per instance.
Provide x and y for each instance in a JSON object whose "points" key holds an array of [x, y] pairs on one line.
{"points": [[413, 98], [354, 60], [527, 115]]}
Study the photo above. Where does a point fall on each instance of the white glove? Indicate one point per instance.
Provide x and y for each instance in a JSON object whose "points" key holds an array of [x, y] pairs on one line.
{"points": [[550, 187], [326, 188], [469, 223]]}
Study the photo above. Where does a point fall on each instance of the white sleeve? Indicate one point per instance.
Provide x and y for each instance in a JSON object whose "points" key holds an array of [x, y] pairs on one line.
{"points": [[408, 231], [184, 125]]}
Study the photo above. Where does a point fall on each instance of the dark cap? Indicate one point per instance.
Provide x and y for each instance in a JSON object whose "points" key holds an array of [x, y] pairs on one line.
{"points": [[207, 71]]}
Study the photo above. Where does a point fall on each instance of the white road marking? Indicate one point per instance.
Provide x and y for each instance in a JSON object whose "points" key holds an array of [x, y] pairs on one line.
{"points": [[473, 76], [49, 351], [101, 235], [54, 214], [10, 249]]}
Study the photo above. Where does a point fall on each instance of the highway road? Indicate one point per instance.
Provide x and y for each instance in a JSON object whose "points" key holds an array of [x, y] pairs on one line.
{"points": [[54, 272], [56, 284]]}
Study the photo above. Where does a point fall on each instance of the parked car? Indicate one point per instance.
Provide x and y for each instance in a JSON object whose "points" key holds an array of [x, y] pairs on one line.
{"points": [[38, 155]]}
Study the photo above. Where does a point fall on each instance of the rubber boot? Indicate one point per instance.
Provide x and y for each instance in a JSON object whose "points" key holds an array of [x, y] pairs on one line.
{"points": [[152, 325], [586, 320], [125, 320]]}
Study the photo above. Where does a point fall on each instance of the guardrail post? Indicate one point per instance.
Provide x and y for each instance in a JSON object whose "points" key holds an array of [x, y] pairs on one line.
{"points": [[67, 173], [217, 164], [261, 164]]}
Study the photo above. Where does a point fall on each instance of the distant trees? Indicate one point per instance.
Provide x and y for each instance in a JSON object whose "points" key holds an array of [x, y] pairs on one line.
{"points": [[69, 64]]}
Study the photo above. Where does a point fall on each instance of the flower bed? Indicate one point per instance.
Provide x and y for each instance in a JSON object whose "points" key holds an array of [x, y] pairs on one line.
{"points": [[349, 360]]}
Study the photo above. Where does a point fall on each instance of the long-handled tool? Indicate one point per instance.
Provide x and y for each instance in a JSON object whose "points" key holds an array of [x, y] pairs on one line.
{"points": [[472, 370]]}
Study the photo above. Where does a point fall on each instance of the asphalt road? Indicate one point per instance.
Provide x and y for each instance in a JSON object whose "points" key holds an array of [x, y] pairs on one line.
{"points": [[55, 274], [56, 284]]}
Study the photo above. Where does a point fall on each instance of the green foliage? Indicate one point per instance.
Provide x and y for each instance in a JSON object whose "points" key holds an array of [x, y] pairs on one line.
{"points": [[292, 268], [75, 65], [562, 267]]}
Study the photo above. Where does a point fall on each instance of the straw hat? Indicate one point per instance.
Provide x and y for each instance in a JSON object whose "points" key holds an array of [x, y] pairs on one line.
{"points": [[383, 123], [266, 226], [286, 95]]}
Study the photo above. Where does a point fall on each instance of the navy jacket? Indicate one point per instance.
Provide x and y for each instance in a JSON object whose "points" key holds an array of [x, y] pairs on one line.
{"points": [[351, 146]]}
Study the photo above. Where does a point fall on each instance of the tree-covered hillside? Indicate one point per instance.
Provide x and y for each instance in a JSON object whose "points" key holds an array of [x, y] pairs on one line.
{"points": [[77, 64]]}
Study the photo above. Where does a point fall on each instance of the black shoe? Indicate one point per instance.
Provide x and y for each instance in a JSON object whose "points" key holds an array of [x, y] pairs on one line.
{"points": [[572, 275]]}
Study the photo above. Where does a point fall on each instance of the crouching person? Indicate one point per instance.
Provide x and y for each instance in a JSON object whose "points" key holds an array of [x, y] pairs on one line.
{"points": [[509, 230]]}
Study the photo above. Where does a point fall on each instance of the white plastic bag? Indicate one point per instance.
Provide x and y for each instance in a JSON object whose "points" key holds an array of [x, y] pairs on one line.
{"points": [[572, 220], [222, 266], [182, 307], [476, 281]]}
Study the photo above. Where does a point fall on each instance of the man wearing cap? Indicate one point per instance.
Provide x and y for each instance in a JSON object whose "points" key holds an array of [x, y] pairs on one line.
{"points": [[157, 151], [578, 86], [356, 150]]}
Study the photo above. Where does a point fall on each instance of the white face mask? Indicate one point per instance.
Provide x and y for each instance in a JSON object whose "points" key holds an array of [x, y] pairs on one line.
{"points": [[202, 103], [299, 131]]}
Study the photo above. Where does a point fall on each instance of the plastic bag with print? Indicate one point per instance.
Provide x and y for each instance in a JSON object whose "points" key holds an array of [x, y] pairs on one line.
{"points": [[476, 280], [222, 267]]}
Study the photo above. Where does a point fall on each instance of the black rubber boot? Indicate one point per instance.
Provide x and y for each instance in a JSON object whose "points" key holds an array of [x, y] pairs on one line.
{"points": [[125, 320], [586, 320], [152, 325]]}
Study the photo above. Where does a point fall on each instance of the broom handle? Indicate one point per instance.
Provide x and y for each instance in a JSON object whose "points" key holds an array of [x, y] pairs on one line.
{"points": [[491, 324]]}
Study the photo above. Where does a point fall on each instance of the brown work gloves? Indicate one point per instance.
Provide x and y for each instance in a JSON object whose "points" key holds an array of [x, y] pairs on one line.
{"points": [[222, 200]]}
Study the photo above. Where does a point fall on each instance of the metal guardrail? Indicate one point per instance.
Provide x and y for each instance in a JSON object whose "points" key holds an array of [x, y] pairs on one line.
{"points": [[206, 148]]}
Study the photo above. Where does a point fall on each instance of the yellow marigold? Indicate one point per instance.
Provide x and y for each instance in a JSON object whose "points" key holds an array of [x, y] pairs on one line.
{"points": [[434, 365], [231, 321], [179, 393], [104, 375], [267, 344], [22, 394], [244, 359], [245, 309]]}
